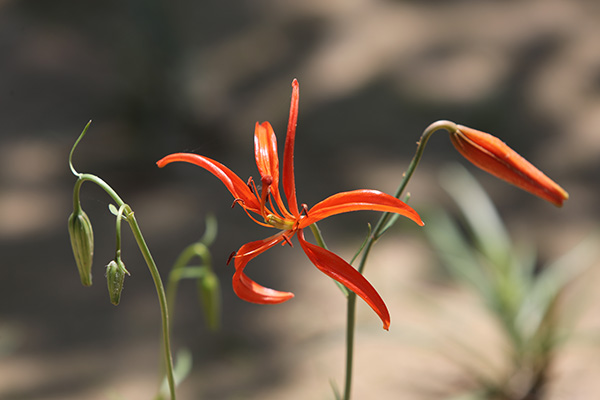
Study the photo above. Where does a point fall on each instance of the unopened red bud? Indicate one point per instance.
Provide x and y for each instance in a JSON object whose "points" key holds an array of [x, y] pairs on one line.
{"points": [[494, 156]]}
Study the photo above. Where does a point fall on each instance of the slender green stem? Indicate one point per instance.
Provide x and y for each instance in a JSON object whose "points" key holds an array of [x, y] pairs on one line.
{"points": [[98, 181], [350, 318], [379, 229], [81, 135], [129, 215], [162, 299], [321, 242], [421, 144], [118, 229], [197, 249], [186, 255], [318, 236], [350, 329]]}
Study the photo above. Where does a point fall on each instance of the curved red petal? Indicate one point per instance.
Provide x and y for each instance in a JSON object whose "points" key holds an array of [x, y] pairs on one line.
{"points": [[246, 288], [288, 180], [265, 151], [357, 200], [236, 186], [267, 160], [493, 156], [336, 268]]}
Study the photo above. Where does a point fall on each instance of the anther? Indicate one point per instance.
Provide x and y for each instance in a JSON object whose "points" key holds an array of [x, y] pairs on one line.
{"points": [[236, 201], [287, 240], [231, 257], [304, 209], [250, 184]]}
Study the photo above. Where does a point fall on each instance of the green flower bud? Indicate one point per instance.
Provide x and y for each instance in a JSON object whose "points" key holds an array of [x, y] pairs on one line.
{"points": [[115, 276], [209, 289], [82, 241]]}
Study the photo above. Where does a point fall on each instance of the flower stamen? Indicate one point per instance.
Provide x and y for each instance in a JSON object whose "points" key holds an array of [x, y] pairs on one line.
{"points": [[231, 257], [251, 185], [287, 240], [266, 180], [304, 210], [241, 202]]}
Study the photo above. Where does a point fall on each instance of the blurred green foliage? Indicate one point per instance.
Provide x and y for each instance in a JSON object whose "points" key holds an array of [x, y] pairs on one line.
{"points": [[521, 294]]}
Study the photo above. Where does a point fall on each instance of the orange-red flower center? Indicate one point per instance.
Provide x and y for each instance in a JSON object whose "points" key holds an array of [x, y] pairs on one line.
{"points": [[271, 215], [280, 223]]}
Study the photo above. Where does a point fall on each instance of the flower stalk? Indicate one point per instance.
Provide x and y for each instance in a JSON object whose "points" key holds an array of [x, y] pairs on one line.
{"points": [[129, 216], [115, 270], [382, 225], [484, 151]]}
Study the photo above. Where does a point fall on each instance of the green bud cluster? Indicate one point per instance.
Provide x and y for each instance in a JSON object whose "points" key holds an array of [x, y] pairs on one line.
{"points": [[82, 241]]}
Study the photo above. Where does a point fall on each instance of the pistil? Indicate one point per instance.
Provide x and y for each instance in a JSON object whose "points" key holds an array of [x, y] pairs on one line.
{"points": [[279, 223], [266, 180]]}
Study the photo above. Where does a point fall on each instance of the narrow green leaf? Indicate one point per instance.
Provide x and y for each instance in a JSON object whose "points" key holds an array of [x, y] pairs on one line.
{"points": [[335, 389], [181, 370]]}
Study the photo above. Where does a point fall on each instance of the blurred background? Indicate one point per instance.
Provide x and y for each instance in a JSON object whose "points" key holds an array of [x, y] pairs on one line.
{"points": [[158, 77]]}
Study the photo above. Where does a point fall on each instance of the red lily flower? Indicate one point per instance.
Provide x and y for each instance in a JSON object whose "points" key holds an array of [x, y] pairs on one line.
{"points": [[493, 156], [266, 207]]}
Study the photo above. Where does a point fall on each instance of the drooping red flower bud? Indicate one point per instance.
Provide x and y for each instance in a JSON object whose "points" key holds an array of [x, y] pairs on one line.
{"points": [[492, 155]]}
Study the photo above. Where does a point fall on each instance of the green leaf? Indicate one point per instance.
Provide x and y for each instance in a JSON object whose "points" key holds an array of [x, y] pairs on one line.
{"points": [[552, 281], [457, 255], [336, 390], [392, 219], [181, 370], [479, 212], [115, 211]]}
